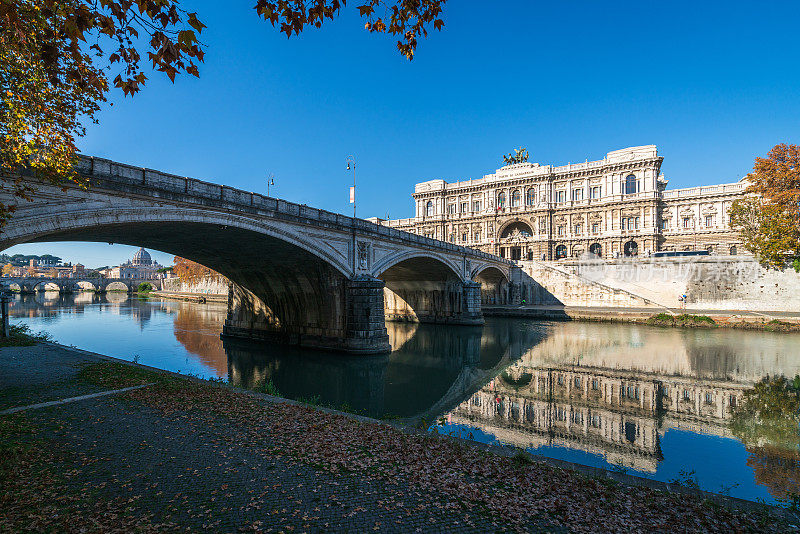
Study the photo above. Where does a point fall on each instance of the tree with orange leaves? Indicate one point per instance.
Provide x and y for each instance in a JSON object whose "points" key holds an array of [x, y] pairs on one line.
{"points": [[190, 271], [768, 218]]}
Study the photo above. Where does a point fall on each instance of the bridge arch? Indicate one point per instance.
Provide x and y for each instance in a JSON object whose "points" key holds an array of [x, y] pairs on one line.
{"points": [[87, 285], [494, 284], [46, 285], [424, 287], [287, 287], [116, 285]]}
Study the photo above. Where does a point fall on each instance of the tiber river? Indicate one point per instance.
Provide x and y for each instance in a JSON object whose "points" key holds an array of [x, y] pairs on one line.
{"points": [[653, 402]]}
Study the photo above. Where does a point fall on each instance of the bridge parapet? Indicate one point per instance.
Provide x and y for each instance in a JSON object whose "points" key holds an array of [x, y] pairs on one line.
{"points": [[112, 175]]}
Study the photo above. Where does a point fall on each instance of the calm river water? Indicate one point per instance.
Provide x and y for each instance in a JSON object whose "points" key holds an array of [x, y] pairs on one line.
{"points": [[662, 403]]}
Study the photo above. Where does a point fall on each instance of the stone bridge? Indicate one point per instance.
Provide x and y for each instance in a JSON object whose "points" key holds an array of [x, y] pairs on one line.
{"points": [[299, 274], [73, 285]]}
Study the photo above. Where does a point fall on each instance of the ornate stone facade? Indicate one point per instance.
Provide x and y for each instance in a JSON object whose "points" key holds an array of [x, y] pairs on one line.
{"points": [[617, 206]]}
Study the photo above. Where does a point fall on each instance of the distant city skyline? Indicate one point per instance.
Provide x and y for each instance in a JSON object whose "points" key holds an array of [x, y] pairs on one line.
{"points": [[713, 89]]}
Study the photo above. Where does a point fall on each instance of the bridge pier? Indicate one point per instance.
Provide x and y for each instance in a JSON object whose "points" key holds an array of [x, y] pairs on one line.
{"points": [[450, 302], [350, 320]]}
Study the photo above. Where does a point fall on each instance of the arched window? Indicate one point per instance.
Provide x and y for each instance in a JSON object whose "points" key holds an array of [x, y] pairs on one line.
{"points": [[530, 198], [515, 198], [561, 252], [631, 185], [596, 249], [501, 199], [429, 208], [516, 228], [733, 250], [631, 249]]}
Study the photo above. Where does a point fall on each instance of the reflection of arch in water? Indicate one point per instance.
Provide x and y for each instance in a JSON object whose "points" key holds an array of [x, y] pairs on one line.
{"points": [[353, 381], [116, 297], [429, 373]]}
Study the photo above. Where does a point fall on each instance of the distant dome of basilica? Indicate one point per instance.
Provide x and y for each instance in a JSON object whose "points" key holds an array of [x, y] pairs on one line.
{"points": [[142, 257]]}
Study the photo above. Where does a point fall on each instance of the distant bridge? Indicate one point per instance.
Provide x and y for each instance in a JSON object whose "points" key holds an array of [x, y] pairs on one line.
{"points": [[300, 275], [73, 285]]}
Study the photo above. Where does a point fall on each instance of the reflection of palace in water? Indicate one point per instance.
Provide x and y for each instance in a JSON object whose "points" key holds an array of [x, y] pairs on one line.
{"points": [[583, 388]]}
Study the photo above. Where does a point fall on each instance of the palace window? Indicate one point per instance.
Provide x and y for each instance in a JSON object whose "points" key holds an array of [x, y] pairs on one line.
{"points": [[577, 382], [464, 238], [578, 229], [560, 229], [665, 224], [596, 421], [477, 236], [501, 199], [709, 398], [464, 207], [451, 209], [531, 197], [631, 223], [561, 197], [595, 384], [452, 238], [686, 395], [631, 185], [515, 198], [687, 222], [709, 221], [577, 195], [577, 417], [595, 228], [476, 205], [594, 192], [429, 208], [560, 380], [542, 227]]}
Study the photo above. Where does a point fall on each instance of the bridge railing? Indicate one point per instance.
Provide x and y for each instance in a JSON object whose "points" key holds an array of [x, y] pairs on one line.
{"points": [[155, 183]]}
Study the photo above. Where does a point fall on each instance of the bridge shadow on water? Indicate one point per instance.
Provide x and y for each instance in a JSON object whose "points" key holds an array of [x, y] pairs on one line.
{"points": [[431, 369]]}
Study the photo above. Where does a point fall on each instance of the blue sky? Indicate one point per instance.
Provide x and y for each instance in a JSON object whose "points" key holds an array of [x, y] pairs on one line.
{"points": [[712, 84]]}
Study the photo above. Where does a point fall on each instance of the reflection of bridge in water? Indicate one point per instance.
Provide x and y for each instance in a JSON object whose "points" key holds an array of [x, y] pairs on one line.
{"points": [[432, 369], [615, 395]]}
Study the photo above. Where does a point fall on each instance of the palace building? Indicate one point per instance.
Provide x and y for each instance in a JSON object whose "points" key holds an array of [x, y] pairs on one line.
{"points": [[617, 206]]}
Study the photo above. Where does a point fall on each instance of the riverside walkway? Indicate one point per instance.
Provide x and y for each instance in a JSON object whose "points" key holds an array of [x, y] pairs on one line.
{"points": [[176, 454]]}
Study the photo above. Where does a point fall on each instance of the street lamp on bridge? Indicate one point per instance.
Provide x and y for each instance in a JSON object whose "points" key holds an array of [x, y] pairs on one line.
{"points": [[351, 166]]}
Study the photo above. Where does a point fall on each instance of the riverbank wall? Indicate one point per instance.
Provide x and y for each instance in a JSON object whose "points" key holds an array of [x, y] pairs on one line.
{"points": [[708, 282], [207, 289]]}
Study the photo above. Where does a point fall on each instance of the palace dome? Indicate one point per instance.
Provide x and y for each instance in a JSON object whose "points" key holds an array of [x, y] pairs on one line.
{"points": [[142, 257]]}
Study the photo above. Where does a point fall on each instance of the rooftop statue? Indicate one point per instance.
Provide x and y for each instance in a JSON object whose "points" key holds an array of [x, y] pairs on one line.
{"points": [[520, 155]]}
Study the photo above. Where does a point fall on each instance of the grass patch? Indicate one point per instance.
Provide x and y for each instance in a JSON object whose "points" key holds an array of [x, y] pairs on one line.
{"points": [[685, 320], [522, 459], [114, 375], [21, 336]]}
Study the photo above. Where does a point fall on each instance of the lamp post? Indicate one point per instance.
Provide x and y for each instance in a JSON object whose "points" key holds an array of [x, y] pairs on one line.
{"points": [[270, 181], [351, 166]]}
